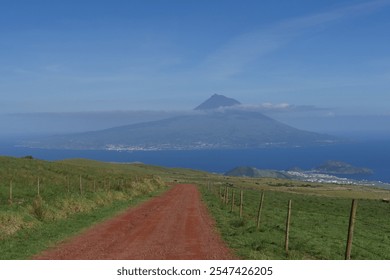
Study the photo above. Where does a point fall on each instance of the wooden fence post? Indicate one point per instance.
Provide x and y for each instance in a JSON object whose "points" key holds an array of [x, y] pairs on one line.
{"points": [[232, 207], [350, 229], [225, 197], [288, 226], [81, 186], [38, 186], [10, 192], [241, 201], [259, 211]]}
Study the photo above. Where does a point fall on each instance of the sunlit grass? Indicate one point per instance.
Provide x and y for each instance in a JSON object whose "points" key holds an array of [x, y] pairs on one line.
{"points": [[319, 226]]}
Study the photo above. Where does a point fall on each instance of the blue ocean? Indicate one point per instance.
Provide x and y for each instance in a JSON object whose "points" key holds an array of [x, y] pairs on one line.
{"points": [[372, 154]]}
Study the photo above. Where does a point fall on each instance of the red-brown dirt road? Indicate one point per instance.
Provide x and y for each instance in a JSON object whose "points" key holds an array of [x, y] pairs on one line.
{"points": [[173, 226]]}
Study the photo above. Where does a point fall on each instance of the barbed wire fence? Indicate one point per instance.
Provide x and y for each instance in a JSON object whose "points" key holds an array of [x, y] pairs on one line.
{"points": [[20, 189], [301, 223]]}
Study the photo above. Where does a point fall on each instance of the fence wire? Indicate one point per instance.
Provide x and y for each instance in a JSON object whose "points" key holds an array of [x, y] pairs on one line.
{"points": [[333, 220]]}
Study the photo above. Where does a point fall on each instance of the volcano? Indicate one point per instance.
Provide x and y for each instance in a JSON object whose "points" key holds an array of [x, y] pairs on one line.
{"points": [[206, 127]]}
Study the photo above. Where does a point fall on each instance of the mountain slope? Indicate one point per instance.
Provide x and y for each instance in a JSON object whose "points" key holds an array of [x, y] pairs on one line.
{"points": [[229, 129], [217, 101], [252, 172], [341, 168]]}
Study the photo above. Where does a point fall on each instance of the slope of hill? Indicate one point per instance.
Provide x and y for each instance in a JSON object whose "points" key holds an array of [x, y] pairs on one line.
{"points": [[217, 101], [251, 172], [232, 128], [52, 200], [339, 167]]}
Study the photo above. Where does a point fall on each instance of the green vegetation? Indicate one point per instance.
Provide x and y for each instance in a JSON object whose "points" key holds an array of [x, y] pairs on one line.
{"points": [[44, 202], [246, 171], [27, 242], [319, 221], [339, 167]]}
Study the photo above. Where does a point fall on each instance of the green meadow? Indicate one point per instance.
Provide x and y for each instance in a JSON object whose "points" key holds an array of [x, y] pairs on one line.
{"points": [[43, 202], [319, 219]]}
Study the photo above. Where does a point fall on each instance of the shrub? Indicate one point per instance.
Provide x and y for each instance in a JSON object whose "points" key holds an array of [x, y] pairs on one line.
{"points": [[38, 208]]}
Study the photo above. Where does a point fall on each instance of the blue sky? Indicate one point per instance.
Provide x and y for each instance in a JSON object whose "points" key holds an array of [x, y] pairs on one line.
{"points": [[76, 56]]}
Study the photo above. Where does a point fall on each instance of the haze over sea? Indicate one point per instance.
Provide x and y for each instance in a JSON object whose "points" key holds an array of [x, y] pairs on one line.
{"points": [[371, 154]]}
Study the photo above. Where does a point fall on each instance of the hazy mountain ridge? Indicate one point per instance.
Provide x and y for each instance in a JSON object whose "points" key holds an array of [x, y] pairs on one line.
{"points": [[232, 128], [217, 101]]}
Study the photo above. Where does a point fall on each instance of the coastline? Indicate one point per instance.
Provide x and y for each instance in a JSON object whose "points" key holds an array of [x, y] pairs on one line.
{"points": [[373, 155]]}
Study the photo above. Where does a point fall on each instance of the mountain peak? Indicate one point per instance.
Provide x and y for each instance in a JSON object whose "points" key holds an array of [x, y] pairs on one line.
{"points": [[216, 101]]}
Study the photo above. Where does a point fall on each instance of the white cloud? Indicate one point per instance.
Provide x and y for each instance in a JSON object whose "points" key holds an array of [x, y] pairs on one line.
{"points": [[276, 106], [269, 107]]}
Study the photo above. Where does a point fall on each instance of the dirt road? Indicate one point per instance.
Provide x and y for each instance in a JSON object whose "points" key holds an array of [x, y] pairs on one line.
{"points": [[173, 226]]}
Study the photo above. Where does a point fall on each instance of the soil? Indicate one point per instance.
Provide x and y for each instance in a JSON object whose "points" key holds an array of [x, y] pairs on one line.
{"points": [[173, 226]]}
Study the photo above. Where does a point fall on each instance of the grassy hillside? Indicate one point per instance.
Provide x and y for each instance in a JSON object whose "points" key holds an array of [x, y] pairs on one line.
{"points": [[43, 202], [319, 219], [74, 194]]}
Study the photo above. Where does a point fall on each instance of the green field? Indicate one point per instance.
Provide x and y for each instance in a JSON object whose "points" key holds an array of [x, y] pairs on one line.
{"points": [[73, 195], [319, 222], [42, 203]]}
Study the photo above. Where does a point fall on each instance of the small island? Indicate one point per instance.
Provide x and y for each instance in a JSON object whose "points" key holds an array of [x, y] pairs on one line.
{"points": [[252, 172], [339, 167]]}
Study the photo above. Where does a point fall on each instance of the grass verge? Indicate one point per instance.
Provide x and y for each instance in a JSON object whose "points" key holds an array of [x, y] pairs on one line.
{"points": [[319, 225], [28, 242]]}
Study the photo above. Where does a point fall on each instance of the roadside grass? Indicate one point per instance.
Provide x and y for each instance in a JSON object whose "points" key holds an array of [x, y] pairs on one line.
{"points": [[318, 228], [74, 194], [30, 241], [43, 202]]}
